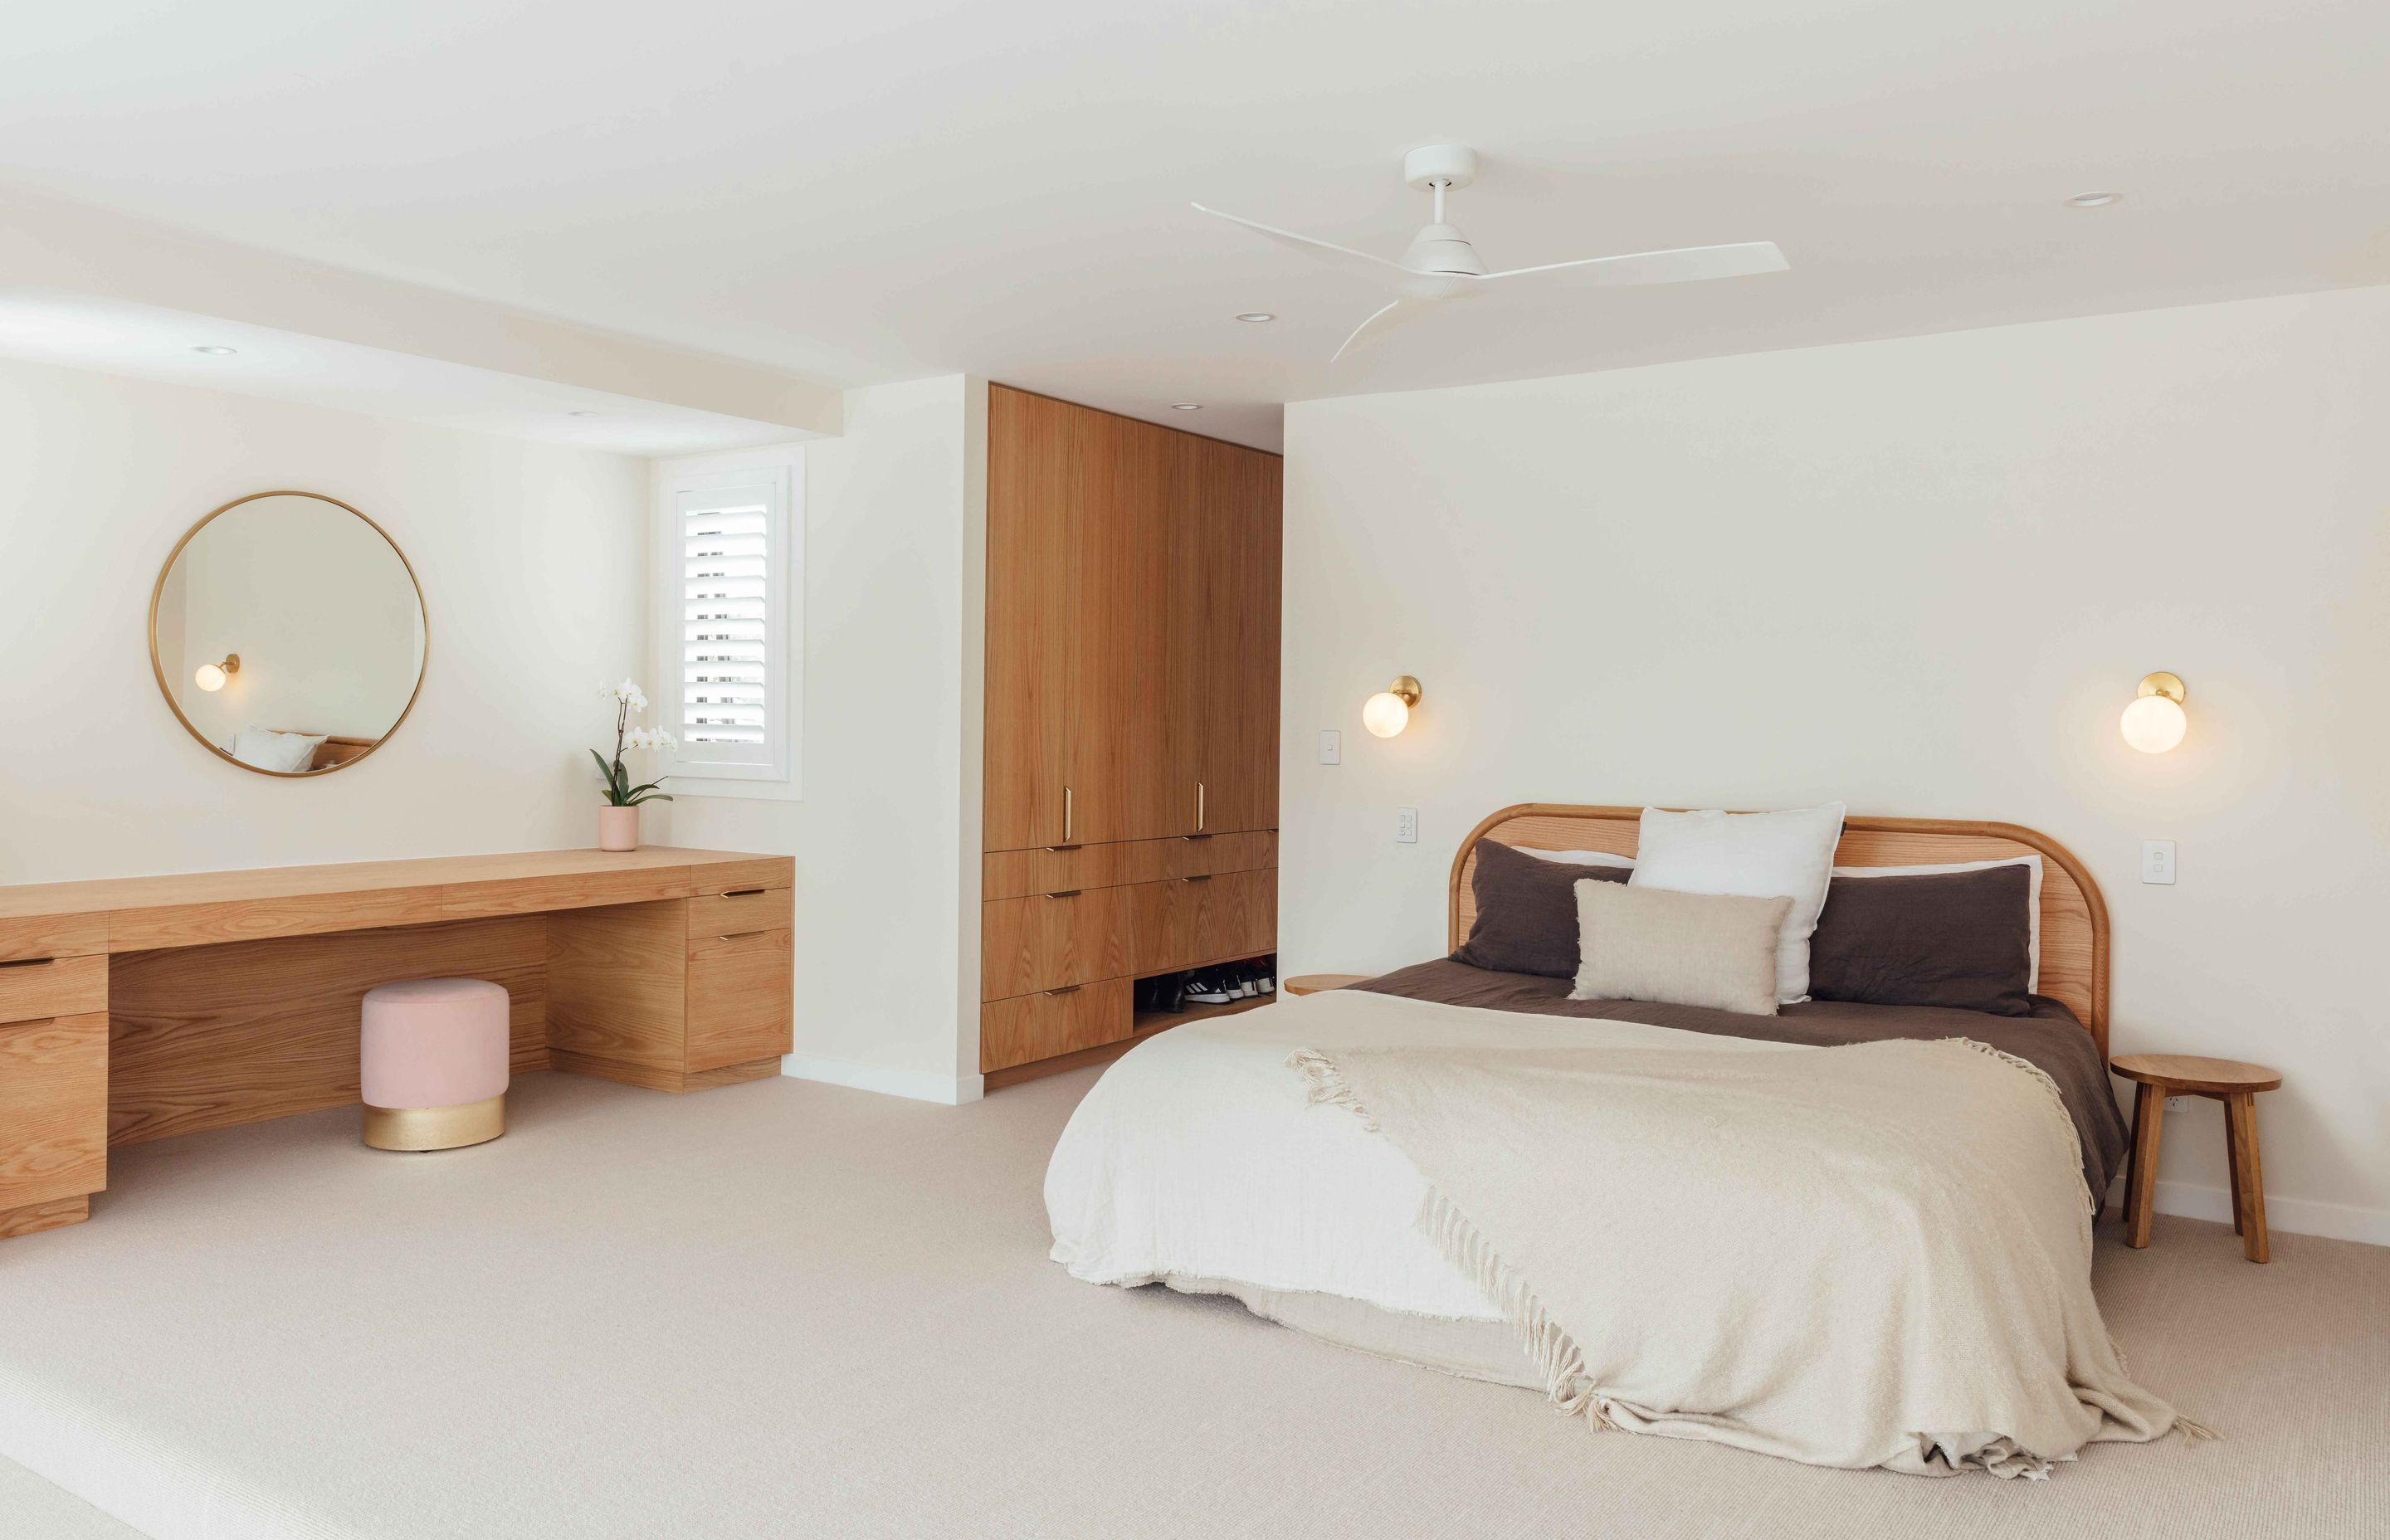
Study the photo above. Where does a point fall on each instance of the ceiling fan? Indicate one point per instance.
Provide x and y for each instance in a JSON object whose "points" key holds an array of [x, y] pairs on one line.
{"points": [[1441, 264]]}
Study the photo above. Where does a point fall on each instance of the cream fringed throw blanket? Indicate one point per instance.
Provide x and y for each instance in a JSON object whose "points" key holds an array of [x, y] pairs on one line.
{"points": [[1873, 1255]]}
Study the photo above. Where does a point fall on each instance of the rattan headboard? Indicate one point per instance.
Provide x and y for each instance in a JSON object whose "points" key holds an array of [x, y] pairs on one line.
{"points": [[2074, 919]]}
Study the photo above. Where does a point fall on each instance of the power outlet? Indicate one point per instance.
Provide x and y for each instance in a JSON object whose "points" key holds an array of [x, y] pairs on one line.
{"points": [[2176, 1104], [1407, 826]]}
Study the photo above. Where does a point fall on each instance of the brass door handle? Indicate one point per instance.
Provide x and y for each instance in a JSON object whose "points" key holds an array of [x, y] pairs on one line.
{"points": [[1067, 811], [1198, 807]]}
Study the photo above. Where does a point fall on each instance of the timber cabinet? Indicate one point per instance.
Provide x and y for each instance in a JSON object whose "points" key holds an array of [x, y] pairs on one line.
{"points": [[1131, 743]]}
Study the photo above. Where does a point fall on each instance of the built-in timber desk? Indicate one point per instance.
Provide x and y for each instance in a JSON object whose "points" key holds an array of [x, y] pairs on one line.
{"points": [[140, 1008]]}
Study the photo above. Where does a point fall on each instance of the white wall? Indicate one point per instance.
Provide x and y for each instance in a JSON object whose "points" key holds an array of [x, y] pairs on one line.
{"points": [[531, 560], [1922, 576], [886, 836]]}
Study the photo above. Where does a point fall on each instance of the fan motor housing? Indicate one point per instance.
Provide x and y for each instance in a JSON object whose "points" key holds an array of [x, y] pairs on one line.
{"points": [[1454, 165]]}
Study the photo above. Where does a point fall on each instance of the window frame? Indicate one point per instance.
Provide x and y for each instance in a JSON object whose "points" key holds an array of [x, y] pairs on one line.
{"points": [[778, 471]]}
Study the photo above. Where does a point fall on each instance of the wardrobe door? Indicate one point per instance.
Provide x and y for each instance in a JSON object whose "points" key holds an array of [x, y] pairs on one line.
{"points": [[1036, 533], [1235, 750], [1125, 730]]}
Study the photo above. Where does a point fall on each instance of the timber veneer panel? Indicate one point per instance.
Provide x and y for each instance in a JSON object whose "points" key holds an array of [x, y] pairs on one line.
{"points": [[52, 986], [1036, 523], [740, 991], [52, 1114], [1016, 873], [1051, 940], [1031, 1026], [206, 1037], [1188, 922], [618, 983]]}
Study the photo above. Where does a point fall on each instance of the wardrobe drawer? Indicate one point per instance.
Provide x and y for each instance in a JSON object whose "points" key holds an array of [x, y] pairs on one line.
{"points": [[1039, 1026], [52, 986], [1051, 940], [53, 1108], [736, 914], [1202, 919], [739, 998], [1014, 873]]}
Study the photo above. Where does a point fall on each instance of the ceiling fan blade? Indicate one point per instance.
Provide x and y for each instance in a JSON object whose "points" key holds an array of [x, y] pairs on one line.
{"points": [[1378, 266], [1686, 264], [1410, 307]]}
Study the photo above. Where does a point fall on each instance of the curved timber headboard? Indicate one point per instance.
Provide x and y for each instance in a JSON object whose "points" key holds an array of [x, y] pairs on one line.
{"points": [[2074, 918]]}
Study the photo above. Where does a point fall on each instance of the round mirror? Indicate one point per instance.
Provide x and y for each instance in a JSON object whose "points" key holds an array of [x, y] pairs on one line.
{"points": [[287, 631]]}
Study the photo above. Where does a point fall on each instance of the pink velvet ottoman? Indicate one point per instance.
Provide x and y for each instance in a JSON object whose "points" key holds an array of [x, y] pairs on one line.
{"points": [[434, 1063]]}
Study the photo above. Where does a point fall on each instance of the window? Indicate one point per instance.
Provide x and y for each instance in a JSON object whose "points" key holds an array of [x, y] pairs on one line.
{"points": [[728, 659]]}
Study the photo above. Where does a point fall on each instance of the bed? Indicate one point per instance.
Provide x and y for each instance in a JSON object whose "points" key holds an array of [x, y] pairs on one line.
{"points": [[1202, 1161]]}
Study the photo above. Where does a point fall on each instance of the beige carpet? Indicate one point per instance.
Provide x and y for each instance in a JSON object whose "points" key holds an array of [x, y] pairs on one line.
{"points": [[783, 1309]]}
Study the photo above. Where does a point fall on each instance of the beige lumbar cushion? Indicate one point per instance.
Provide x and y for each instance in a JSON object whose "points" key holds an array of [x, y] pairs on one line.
{"points": [[1717, 950]]}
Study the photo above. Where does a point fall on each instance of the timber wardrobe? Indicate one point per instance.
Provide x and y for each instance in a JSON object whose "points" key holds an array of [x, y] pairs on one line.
{"points": [[1131, 808]]}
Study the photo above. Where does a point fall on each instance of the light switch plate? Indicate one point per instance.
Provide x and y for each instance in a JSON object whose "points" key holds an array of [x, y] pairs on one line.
{"points": [[2157, 861], [1407, 826], [1332, 746]]}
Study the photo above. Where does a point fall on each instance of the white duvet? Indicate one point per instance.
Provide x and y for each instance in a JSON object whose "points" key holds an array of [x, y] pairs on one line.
{"points": [[1198, 1155]]}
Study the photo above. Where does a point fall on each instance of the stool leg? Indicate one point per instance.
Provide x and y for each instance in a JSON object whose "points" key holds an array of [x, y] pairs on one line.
{"points": [[2233, 1160], [2149, 1121], [2249, 1180]]}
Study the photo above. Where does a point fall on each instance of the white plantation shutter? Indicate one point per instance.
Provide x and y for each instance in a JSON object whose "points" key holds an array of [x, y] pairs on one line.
{"points": [[725, 626], [726, 551]]}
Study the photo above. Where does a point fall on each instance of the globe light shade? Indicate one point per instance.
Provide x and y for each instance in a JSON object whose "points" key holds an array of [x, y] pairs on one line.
{"points": [[2154, 724], [209, 677], [1386, 714]]}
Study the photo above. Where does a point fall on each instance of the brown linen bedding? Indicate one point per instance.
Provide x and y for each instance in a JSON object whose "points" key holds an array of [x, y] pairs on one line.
{"points": [[2050, 1039]]}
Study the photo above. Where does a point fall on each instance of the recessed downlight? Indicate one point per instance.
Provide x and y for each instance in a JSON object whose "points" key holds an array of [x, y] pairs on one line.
{"points": [[2094, 199], [581, 412], [215, 351], [1256, 317], [1185, 405]]}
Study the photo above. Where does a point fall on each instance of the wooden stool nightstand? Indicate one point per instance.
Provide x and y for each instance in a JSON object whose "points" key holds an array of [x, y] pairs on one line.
{"points": [[2159, 1075], [1312, 984]]}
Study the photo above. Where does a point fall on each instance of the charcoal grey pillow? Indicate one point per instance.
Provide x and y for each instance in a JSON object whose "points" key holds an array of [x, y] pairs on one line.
{"points": [[1526, 912], [1959, 940]]}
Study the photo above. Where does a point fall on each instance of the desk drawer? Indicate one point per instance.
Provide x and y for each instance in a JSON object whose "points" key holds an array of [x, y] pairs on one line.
{"points": [[53, 1108], [711, 916], [52, 986], [740, 992], [1052, 940], [1039, 1026]]}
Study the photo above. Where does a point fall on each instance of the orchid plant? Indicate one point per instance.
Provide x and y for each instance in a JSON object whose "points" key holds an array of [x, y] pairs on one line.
{"points": [[628, 698]]}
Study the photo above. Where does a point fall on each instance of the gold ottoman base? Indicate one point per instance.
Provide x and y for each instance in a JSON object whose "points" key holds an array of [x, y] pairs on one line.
{"points": [[435, 1127]]}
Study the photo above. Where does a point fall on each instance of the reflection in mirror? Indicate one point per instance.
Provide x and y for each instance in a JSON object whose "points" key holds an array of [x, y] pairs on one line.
{"points": [[288, 632]]}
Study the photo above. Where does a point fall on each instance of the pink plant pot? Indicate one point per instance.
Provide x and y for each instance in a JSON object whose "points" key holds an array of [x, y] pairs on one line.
{"points": [[618, 829]]}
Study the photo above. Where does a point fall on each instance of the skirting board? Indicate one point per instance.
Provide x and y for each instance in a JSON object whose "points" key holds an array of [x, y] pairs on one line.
{"points": [[912, 1085], [2296, 1215]]}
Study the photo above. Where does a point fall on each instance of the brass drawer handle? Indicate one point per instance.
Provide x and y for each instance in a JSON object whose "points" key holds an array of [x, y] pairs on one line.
{"points": [[1058, 849], [1067, 892], [1194, 837], [1206, 878], [31, 962], [740, 935], [1066, 989], [742, 893]]}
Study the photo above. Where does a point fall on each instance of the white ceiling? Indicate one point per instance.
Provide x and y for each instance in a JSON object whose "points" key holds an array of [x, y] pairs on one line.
{"points": [[121, 337], [903, 187]]}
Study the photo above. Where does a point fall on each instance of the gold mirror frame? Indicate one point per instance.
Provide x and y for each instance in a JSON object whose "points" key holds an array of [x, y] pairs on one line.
{"points": [[158, 669]]}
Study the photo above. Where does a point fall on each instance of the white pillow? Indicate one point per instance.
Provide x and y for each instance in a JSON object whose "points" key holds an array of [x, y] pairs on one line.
{"points": [[1577, 857], [1787, 854], [2032, 864], [268, 750]]}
